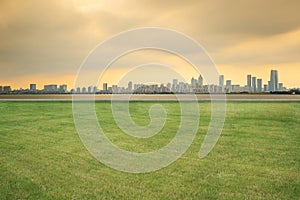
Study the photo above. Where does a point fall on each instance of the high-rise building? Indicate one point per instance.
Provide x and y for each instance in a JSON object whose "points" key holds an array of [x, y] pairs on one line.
{"points": [[129, 86], [228, 83], [1, 88], [95, 89], [221, 80], [280, 86], [253, 84], [269, 86], [272, 81], [220, 88], [78, 90], [273, 86], [265, 88], [193, 82], [114, 89], [228, 86], [175, 85], [200, 80], [249, 85], [105, 87], [90, 89], [169, 86], [83, 90], [32, 87], [276, 80], [259, 85]]}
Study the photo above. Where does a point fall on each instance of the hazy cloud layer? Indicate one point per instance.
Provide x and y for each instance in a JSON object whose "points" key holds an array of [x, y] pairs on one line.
{"points": [[51, 38]]}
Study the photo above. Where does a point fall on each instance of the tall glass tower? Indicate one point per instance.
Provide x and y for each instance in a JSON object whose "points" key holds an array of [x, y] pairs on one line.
{"points": [[249, 85], [221, 80], [273, 85], [200, 80], [259, 85], [253, 84]]}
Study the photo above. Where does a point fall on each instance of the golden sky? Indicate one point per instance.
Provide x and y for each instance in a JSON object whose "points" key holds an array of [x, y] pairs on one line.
{"points": [[45, 41]]}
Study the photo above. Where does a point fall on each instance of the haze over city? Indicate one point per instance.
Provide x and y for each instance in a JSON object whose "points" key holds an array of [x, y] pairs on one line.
{"points": [[196, 85], [46, 41]]}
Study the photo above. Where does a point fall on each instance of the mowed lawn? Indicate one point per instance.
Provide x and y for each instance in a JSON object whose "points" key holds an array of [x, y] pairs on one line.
{"points": [[256, 157]]}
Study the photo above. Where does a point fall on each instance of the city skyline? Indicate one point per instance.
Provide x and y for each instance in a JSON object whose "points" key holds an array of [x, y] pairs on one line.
{"points": [[196, 85]]}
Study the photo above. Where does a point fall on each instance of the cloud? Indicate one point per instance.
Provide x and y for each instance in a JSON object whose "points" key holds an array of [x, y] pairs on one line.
{"points": [[53, 37], [277, 49]]}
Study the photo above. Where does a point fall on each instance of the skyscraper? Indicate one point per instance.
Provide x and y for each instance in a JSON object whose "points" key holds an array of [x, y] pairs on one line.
{"points": [[276, 80], [273, 86], [129, 86], [259, 85], [114, 89], [169, 86], [249, 85], [221, 84], [228, 83], [269, 86], [221, 80], [175, 85], [265, 87], [200, 80], [90, 89], [253, 84], [193, 82], [95, 89], [228, 86], [105, 87], [280, 87]]}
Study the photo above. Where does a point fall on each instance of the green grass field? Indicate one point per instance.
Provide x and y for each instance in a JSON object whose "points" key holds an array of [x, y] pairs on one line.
{"points": [[256, 157]]}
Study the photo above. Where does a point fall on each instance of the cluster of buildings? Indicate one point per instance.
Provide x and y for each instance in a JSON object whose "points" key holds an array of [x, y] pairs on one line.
{"points": [[254, 85], [48, 89], [5, 89]]}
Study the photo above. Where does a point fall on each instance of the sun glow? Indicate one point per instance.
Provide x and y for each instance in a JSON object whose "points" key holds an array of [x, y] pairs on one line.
{"points": [[95, 5]]}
